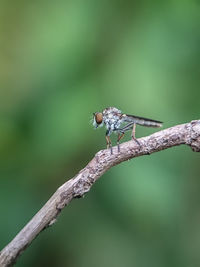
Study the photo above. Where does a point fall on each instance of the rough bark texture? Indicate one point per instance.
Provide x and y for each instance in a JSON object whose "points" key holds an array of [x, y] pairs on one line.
{"points": [[188, 134]]}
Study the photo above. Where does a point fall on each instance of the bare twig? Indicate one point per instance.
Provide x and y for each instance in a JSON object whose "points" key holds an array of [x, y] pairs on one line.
{"points": [[188, 134]]}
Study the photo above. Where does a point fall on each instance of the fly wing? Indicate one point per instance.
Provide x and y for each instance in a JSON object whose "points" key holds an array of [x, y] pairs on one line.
{"points": [[142, 121]]}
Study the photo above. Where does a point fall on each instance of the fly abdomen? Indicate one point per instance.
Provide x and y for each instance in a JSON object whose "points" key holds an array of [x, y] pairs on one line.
{"points": [[142, 121], [150, 123]]}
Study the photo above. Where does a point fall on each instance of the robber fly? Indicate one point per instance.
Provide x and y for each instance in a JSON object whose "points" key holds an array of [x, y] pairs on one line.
{"points": [[118, 122]]}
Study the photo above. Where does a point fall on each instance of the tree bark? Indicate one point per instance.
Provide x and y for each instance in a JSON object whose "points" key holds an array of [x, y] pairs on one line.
{"points": [[188, 134]]}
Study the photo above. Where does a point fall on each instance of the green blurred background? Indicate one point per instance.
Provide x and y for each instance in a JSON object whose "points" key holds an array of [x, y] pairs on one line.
{"points": [[60, 61]]}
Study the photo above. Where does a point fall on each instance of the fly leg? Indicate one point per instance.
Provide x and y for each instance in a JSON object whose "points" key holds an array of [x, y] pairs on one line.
{"points": [[108, 141], [121, 132], [120, 136], [133, 134], [128, 127]]}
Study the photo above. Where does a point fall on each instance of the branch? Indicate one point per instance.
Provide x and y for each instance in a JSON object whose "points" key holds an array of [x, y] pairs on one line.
{"points": [[188, 134]]}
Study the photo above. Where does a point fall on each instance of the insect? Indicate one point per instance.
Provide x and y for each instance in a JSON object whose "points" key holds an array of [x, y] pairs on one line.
{"points": [[118, 122]]}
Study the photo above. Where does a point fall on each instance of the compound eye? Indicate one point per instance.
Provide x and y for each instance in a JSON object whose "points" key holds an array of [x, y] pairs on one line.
{"points": [[99, 117]]}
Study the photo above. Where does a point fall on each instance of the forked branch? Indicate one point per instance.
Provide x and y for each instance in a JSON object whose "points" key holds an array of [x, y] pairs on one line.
{"points": [[188, 134]]}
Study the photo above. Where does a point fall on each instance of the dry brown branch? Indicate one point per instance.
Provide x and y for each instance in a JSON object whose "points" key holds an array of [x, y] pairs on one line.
{"points": [[188, 134]]}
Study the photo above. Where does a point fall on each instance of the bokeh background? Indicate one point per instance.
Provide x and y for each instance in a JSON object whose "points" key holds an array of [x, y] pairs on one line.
{"points": [[60, 61]]}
